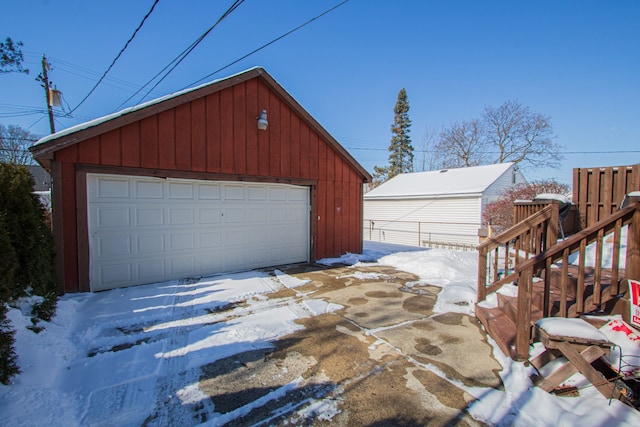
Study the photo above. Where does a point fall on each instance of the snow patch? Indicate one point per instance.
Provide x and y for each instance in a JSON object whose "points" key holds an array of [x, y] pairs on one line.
{"points": [[289, 281]]}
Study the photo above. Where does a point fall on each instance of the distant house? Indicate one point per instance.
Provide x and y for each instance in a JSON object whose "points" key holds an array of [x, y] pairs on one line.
{"points": [[438, 208], [41, 178]]}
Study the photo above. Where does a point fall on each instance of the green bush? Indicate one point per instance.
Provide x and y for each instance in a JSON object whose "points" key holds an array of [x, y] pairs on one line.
{"points": [[24, 218], [8, 366], [27, 264], [8, 263]]}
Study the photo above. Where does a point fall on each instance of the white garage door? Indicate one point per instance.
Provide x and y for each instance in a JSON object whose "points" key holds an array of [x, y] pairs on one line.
{"points": [[145, 230]]}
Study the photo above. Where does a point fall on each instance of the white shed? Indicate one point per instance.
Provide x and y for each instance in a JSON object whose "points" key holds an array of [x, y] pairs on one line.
{"points": [[437, 208]]}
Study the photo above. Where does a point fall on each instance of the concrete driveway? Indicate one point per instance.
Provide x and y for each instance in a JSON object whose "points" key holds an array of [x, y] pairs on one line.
{"points": [[384, 359]]}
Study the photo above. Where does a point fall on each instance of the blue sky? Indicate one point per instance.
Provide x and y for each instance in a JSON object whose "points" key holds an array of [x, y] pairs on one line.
{"points": [[575, 61]]}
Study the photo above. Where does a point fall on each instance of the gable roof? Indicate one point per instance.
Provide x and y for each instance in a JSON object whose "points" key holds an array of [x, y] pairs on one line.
{"points": [[445, 182], [45, 147]]}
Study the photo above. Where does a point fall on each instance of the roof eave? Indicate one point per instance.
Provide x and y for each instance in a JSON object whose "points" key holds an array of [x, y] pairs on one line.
{"points": [[424, 196], [43, 150]]}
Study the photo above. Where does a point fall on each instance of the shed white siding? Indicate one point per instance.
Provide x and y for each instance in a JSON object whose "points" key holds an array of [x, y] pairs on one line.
{"points": [[511, 177], [423, 222], [436, 208]]}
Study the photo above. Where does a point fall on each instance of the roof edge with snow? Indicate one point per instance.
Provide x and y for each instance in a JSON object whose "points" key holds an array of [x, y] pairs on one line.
{"points": [[44, 148]]}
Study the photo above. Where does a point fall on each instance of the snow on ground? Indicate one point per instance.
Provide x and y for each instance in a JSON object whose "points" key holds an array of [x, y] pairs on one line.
{"points": [[105, 357]]}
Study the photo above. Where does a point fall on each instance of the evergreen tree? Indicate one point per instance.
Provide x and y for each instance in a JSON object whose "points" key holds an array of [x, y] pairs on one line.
{"points": [[8, 356], [26, 227], [11, 57], [400, 148]]}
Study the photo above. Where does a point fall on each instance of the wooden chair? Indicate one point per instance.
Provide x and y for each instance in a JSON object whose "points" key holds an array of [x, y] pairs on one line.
{"points": [[579, 351]]}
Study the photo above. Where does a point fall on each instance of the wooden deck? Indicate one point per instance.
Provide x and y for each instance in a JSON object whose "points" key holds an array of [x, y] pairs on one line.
{"points": [[529, 255], [500, 322]]}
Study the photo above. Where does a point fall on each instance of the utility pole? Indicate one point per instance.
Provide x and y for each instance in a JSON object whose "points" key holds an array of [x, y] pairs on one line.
{"points": [[44, 78]]}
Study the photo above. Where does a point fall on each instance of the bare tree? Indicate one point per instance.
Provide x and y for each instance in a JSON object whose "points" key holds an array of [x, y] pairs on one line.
{"points": [[462, 145], [520, 135], [508, 133], [14, 145], [431, 158]]}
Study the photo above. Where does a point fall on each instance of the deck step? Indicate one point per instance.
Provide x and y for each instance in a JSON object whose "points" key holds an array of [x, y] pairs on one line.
{"points": [[509, 305], [499, 327]]}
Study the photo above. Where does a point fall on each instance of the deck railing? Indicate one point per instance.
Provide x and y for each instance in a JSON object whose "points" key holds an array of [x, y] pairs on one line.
{"points": [[498, 256], [609, 228]]}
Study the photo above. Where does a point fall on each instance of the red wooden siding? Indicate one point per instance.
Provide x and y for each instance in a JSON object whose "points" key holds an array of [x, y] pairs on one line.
{"points": [[216, 137]]}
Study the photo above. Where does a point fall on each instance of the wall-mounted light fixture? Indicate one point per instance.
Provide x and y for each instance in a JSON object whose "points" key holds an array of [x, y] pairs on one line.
{"points": [[262, 120]]}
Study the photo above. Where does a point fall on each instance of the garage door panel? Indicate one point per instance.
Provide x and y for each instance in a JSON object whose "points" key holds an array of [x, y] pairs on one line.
{"points": [[278, 214], [277, 194], [152, 270], [112, 188], [182, 266], [298, 194], [144, 230], [257, 193], [114, 245], [208, 191], [234, 237], [148, 244], [112, 275], [149, 216], [297, 215], [181, 216], [181, 241], [233, 192], [210, 262], [257, 215], [210, 215], [234, 214], [210, 239], [148, 189], [114, 217], [180, 190]]}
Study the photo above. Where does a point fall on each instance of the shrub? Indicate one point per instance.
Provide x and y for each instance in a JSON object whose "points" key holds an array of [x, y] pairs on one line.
{"points": [[27, 264], [500, 213], [24, 218], [8, 263], [8, 366]]}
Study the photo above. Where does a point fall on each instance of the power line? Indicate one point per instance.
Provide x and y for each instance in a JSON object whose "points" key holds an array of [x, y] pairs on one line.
{"points": [[117, 57], [227, 13], [86, 73], [269, 43], [178, 59], [496, 152]]}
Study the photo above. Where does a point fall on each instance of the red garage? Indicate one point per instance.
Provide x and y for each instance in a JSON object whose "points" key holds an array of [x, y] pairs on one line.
{"points": [[231, 175]]}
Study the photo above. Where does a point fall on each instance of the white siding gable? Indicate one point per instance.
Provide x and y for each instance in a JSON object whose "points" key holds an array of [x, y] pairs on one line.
{"points": [[509, 178]]}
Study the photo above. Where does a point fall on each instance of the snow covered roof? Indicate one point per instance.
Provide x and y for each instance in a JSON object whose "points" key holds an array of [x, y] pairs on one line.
{"points": [[460, 181], [43, 149], [128, 110]]}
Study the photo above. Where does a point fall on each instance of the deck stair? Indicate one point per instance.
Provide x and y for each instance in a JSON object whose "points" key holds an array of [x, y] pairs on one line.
{"points": [[500, 322], [548, 285]]}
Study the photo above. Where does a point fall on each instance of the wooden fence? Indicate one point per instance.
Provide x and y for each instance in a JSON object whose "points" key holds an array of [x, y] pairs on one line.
{"points": [[570, 223], [599, 191]]}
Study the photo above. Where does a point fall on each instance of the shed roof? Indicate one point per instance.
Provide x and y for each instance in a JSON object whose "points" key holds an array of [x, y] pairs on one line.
{"points": [[43, 149], [459, 181]]}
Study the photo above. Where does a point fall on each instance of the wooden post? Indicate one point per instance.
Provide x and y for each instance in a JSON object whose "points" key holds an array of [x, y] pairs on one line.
{"points": [[552, 226], [633, 244], [44, 78], [482, 274], [523, 317]]}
